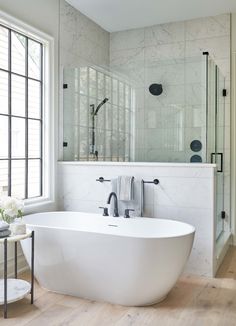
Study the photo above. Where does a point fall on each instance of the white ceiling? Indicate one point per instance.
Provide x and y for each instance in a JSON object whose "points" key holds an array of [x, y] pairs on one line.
{"points": [[117, 15]]}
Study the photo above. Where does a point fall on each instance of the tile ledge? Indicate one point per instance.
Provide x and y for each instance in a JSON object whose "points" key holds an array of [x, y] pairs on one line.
{"points": [[179, 165]]}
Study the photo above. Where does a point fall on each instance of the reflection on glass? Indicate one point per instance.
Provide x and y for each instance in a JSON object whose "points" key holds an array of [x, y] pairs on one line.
{"points": [[4, 136], [4, 47], [18, 137], [18, 52], [33, 178], [34, 138], [84, 80], [34, 102], [3, 92], [18, 179], [18, 95], [34, 59], [3, 178]]}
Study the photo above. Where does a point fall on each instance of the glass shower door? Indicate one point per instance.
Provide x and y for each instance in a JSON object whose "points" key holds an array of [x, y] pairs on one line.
{"points": [[218, 156]]}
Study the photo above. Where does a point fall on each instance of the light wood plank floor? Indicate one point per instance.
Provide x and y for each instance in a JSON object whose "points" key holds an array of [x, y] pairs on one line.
{"points": [[194, 301]]}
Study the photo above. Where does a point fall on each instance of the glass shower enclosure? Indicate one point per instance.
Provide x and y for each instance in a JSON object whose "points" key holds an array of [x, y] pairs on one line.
{"points": [[109, 116]]}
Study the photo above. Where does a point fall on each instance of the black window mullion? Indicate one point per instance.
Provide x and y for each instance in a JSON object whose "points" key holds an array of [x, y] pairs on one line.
{"points": [[9, 112], [20, 75], [26, 121]]}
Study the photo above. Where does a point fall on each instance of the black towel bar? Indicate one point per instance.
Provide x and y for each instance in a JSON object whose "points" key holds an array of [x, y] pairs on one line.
{"points": [[101, 179], [155, 181]]}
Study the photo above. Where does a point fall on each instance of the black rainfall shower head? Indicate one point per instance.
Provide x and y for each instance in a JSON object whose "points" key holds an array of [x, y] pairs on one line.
{"points": [[156, 89], [100, 105]]}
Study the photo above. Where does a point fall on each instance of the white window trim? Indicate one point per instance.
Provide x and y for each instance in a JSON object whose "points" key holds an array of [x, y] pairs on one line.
{"points": [[49, 158]]}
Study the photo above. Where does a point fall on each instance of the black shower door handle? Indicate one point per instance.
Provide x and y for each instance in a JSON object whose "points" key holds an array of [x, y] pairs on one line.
{"points": [[221, 160]]}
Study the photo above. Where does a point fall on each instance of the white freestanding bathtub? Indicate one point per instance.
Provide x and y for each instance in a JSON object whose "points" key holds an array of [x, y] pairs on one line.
{"points": [[133, 262]]}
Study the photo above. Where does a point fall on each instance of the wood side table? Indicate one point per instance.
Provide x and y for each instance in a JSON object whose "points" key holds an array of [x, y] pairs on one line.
{"points": [[14, 289]]}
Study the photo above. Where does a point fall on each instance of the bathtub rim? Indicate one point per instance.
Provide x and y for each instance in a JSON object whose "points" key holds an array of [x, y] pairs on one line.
{"points": [[192, 229]]}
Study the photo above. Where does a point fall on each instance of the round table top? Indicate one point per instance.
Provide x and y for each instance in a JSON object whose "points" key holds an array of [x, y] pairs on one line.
{"points": [[16, 290], [15, 238]]}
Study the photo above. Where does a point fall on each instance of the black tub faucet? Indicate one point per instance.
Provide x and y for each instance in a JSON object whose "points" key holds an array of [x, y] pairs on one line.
{"points": [[113, 194]]}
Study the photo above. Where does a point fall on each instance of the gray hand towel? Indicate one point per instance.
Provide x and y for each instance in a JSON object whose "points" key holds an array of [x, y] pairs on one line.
{"points": [[136, 203]]}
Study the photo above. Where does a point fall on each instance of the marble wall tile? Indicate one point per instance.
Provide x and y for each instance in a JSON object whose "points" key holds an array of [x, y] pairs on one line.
{"points": [[166, 74], [218, 47], [131, 39], [129, 58], [81, 38], [208, 27], [196, 194], [164, 34], [169, 53]]}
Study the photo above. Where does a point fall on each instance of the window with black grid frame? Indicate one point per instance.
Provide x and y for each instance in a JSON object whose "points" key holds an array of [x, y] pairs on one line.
{"points": [[21, 115]]}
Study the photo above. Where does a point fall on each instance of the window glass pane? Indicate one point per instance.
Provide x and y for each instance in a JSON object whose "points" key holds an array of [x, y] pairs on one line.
{"points": [[18, 178], [34, 105], [34, 138], [18, 95], [34, 178], [3, 178], [18, 53], [3, 136], [34, 59], [18, 137], [3, 92], [3, 47]]}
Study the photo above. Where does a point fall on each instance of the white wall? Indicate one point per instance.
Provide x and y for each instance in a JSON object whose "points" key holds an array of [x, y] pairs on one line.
{"points": [[44, 16], [185, 193]]}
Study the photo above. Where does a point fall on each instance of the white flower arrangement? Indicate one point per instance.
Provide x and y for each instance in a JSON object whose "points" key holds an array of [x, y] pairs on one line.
{"points": [[10, 208]]}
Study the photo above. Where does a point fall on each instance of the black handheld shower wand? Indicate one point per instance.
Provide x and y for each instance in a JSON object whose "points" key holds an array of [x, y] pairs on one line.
{"points": [[100, 105], [93, 113]]}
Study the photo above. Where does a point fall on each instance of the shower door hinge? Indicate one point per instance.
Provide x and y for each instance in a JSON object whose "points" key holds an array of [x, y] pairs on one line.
{"points": [[223, 215], [224, 92], [65, 86]]}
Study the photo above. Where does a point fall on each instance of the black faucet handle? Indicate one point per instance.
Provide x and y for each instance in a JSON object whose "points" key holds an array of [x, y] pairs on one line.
{"points": [[105, 211], [127, 210]]}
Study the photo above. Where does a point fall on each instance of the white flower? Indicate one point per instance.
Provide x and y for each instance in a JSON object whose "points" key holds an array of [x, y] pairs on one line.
{"points": [[11, 206]]}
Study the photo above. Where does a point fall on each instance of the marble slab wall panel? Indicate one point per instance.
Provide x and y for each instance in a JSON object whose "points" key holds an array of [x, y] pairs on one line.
{"points": [[184, 193], [81, 40]]}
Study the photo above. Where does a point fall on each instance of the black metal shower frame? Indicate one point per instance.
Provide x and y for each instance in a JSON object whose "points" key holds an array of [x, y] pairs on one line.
{"points": [[26, 117]]}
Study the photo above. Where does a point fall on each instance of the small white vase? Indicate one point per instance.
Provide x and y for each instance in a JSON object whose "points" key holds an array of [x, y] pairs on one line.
{"points": [[18, 227]]}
